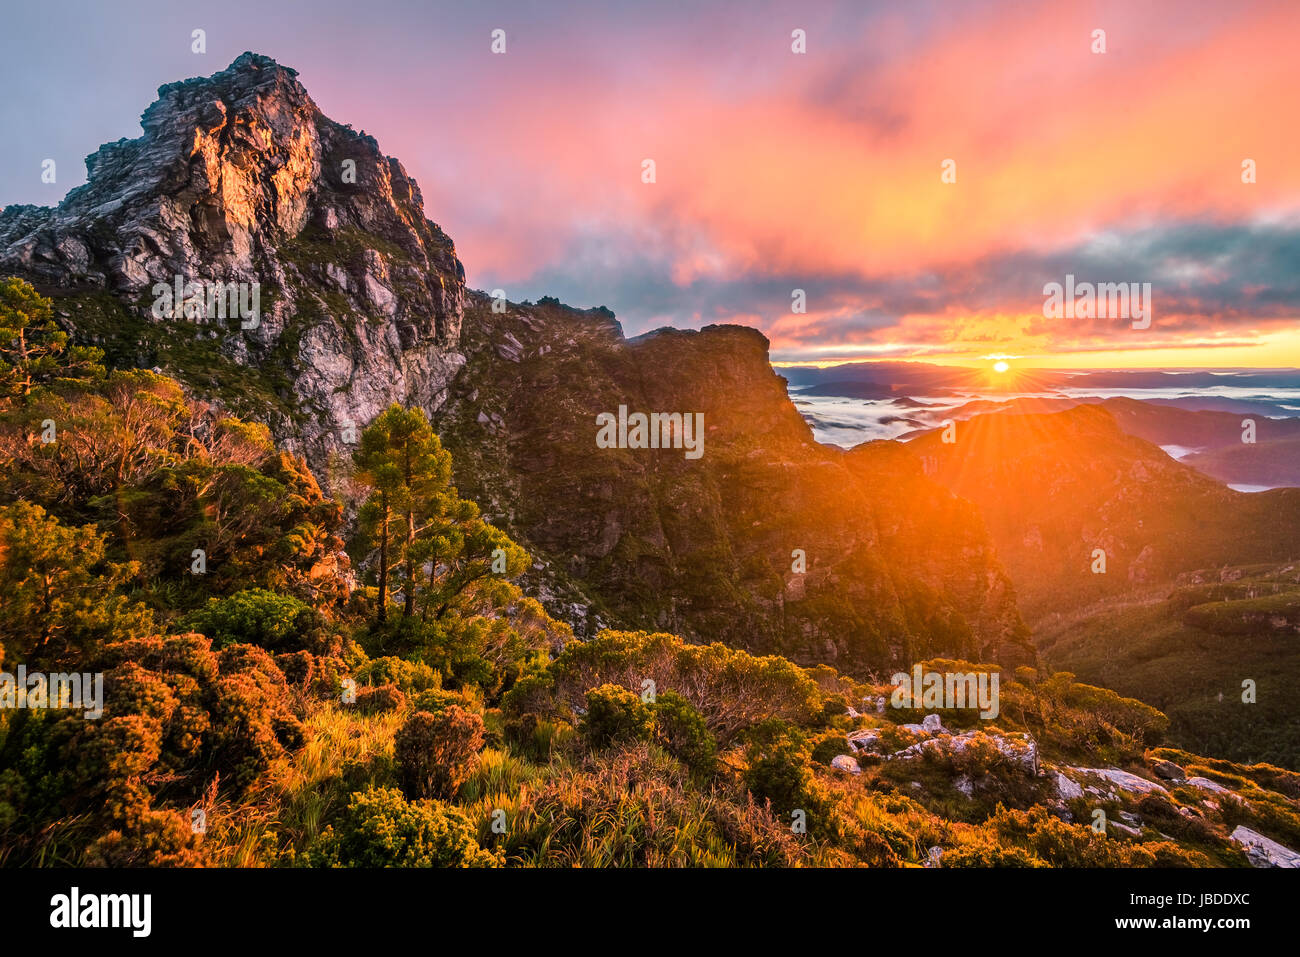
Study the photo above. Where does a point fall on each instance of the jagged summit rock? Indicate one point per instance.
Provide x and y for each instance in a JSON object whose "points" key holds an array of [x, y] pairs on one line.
{"points": [[228, 166], [239, 178]]}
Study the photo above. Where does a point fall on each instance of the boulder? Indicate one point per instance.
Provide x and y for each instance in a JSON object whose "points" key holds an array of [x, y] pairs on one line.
{"points": [[1205, 784], [1263, 852], [1066, 788], [867, 739], [1166, 770], [1124, 780]]}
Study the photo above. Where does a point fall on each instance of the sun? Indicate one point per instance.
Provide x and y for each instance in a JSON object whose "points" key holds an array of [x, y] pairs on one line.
{"points": [[1000, 366]]}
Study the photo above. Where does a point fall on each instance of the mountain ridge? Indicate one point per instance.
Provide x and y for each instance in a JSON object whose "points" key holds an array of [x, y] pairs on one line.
{"points": [[237, 178], [707, 548], [1056, 487]]}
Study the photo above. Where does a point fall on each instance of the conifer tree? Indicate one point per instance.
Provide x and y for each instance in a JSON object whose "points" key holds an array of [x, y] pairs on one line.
{"points": [[417, 520], [33, 349]]}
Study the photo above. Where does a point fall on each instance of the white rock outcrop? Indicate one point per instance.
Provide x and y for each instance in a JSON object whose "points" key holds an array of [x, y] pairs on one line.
{"points": [[1123, 780], [1263, 851], [844, 762]]}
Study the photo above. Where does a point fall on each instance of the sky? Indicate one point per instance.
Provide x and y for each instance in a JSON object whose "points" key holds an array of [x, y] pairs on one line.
{"points": [[778, 171]]}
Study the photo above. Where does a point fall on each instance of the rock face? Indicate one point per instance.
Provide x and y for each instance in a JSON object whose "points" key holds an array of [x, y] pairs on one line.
{"points": [[766, 541], [239, 178], [1205, 784], [1066, 789], [1166, 770], [1124, 780]]}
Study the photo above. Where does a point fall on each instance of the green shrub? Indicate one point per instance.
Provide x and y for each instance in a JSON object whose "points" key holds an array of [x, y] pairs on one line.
{"points": [[409, 676], [435, 700], [681, 730], [532, 693], [259, 617], [988, 854], [158, 839], [436, 752], [615, 715], [381, 828], [179, 722], [316, 674], [732, 689], [778, 770], [379, 700], [826, 746]]}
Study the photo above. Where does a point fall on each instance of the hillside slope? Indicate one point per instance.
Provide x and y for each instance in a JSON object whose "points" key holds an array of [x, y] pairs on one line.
{"points": [[1216, 652], [1056, 488]]}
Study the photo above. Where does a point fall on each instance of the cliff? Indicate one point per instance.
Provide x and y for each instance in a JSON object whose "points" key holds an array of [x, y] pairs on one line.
{"points": [[239, 178], [896, 567]]}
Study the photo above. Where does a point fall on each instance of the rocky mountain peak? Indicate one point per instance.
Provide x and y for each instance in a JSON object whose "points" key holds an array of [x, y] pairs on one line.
{"points": [[239, 178], [228, 166]]}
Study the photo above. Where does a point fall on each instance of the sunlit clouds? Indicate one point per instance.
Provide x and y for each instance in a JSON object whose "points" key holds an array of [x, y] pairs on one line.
{"points": [[821, 171]]}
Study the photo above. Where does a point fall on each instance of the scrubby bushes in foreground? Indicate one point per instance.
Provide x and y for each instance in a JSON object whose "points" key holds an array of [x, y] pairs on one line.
{"points": [[309, 723]]}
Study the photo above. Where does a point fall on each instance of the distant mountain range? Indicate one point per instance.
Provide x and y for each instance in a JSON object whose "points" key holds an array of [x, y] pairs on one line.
{"points": [[1198, 417]]}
